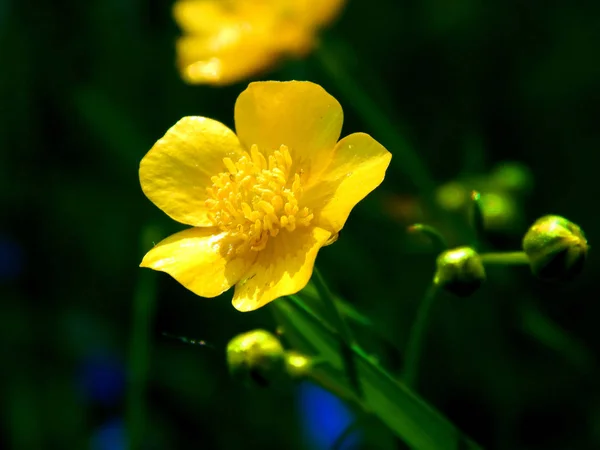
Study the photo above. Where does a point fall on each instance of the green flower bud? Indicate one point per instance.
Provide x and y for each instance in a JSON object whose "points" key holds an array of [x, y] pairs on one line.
{"points": [[257, 358], [459, 271], [297, 364], [556, 248]]}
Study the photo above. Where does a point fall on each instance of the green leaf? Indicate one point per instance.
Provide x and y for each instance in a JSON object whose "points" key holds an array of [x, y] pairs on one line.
{"points": [[349, 311], [404, 412]]}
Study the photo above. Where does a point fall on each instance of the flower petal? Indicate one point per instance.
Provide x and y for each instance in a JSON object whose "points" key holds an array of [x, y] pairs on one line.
{"points": [[201, 16], [229, 56], [199, 259], [282, 268], [209, 16], [175, 173], [299, 114], [358, 166]]}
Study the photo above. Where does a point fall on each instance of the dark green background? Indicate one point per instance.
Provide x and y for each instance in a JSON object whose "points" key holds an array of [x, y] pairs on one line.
{"points": [[87, 87]]}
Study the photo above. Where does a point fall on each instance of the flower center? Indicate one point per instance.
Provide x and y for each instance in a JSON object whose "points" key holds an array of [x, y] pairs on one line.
{"points": [[256, 198]]}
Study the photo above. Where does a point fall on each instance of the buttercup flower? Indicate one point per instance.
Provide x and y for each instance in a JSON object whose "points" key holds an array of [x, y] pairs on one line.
{"points": [[261, 203], [225, 41]]}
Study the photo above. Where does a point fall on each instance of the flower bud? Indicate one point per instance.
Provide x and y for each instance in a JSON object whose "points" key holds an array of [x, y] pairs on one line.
{"points": [[556, 248], [256, 358], [297, 364], [459, 271]]}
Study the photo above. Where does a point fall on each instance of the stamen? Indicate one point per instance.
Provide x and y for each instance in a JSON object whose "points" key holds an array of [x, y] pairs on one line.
{"points": [[256, 198], [230, 165]]}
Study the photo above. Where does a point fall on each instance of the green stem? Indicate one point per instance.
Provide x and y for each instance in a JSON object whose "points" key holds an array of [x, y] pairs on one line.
{"points": [[300, 304], [505, 258], [439, 242], [477, 220], [144, 302], [398, 407], [332, 309], [346, 340], [405, 157], [414, 345]]}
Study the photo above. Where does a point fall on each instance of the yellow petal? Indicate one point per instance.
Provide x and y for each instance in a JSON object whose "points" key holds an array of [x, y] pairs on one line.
{"points": [[225, 42], [199, 259], [358, 166], [229, 56], [282, 268], [201, 16], [175, 173], [299, 114], [207, 16]]}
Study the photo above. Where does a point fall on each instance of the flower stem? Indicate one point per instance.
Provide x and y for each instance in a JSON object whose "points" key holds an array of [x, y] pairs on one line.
{"points": [[346, 339], [329, 301], [476, 219], [399, 408], [405, 157], [505, 258], [414, 345], [438, 240], [144, 302]]}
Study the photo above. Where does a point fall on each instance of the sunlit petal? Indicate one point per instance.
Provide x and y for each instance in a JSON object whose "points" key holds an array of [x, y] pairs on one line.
{"points": [[202, 16], [358, 166], [200, 259], [226, 57], [175, 173], [298, 114], [282, 268]]}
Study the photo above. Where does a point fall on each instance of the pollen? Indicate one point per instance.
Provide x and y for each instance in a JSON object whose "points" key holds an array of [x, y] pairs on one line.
{"points": [[256, 198]]}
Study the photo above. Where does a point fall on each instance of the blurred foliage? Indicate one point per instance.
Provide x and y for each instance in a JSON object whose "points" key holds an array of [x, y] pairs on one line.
{"points": [[87, 87]]}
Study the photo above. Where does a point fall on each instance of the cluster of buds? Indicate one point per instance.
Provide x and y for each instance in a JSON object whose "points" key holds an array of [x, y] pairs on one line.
{"points": [[257, 358], [554, 247]]}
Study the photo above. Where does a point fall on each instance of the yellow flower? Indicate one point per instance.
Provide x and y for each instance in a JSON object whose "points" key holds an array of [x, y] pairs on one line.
{"points": [[261, 203], [226, 41]]}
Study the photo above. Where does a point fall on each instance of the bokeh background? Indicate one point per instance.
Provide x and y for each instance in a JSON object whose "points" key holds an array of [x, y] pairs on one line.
{"points": [[86, 88]]}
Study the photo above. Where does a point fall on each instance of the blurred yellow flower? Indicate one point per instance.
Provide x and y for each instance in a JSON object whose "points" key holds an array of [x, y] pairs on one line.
{"points": [[262, 202], [226, 41]]}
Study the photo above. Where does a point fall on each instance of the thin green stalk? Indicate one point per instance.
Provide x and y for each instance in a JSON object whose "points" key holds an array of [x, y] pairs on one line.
{"points": [[477, 219], [417, 334], [327, 327], [505, 258], [332, 309], [346, 340], [439, 242], [144, 302], [300, 304]]}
